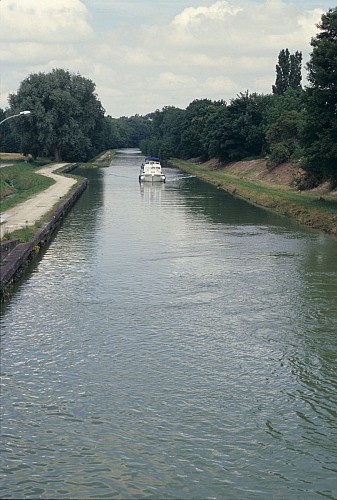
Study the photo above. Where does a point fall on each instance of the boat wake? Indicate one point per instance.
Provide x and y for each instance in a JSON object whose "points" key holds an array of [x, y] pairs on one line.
{"points": [[179, 178]]}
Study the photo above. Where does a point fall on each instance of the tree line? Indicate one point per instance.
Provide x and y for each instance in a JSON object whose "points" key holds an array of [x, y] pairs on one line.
{"points": [[67, 120], [291, 123]]}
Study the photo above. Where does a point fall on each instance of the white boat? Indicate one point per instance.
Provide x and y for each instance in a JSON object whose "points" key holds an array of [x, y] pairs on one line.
{"points": [[151, 170]]}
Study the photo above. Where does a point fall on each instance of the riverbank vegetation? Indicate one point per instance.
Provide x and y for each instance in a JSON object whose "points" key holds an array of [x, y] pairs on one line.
{"points": [[67, 121], [102, 160], [20, 181], [290, 124], [252, 181]]}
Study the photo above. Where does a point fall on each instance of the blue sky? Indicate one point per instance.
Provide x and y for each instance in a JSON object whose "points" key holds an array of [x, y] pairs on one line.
{"points": [[147, 54]]}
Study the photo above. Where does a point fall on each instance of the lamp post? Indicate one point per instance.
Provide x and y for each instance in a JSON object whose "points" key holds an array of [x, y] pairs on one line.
{"points": [[18, 114], [26, 112]]}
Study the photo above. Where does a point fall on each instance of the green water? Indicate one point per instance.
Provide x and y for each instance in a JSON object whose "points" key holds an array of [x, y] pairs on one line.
{"points": [[172, 342]]}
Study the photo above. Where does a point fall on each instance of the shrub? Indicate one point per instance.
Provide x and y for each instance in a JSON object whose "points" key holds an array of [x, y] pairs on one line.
{"points": [[280, 154]]}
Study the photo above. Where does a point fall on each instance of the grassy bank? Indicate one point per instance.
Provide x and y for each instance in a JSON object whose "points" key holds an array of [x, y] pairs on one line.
{"points": [[315, 208], [13, 157], [18, 182], [101, 161], [18, 179]]}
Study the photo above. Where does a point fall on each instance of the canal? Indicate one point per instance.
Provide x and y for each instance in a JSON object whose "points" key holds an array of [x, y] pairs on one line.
{"points": [[172, 342]]}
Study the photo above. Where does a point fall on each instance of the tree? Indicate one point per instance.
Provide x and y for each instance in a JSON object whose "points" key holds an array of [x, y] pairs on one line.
{"points": [[248, 112], [9, 138], [195, 127], [283, 138], [165, 133], [288, 72], [284, 121], [295, 74], [235, 131], [320, 134], [66, 114]]}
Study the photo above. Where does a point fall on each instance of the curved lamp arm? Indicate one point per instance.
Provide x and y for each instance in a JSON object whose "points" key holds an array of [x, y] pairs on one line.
{"points": [[13, 116]]}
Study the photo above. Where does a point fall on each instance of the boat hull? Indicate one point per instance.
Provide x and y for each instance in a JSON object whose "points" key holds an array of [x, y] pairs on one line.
{"points": [[152, 178]]}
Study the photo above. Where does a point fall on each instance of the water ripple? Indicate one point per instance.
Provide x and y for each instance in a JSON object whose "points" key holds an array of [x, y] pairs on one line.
{"points": [[188, 354]]}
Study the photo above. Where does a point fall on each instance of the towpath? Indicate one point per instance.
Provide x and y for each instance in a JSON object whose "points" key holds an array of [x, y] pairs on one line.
{"points": [[30, 211]]}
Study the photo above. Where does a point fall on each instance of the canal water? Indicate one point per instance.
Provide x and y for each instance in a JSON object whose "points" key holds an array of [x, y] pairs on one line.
{"points": [[172, 342]]}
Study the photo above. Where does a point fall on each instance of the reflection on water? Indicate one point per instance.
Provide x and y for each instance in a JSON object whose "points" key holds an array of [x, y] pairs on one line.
{"points": [[151, 192], [173, 342]]}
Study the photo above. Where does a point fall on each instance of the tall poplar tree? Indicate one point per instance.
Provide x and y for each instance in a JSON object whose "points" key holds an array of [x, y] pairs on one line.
{"points": [[288, 72]]}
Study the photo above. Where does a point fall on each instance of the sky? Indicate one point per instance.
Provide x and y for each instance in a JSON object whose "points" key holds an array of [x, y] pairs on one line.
{"points": [[144, 55]]}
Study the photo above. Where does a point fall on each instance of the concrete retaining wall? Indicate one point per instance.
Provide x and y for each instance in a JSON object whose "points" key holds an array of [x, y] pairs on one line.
{"points": [[14, 255], [5, 248]]}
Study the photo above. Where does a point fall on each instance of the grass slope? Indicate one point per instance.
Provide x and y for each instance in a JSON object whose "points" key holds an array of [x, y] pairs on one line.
{"points": [[18, 182], [253, 182]]}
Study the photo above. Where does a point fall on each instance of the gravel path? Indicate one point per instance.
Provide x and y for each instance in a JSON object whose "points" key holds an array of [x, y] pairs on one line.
{"points": [[30, 211]]}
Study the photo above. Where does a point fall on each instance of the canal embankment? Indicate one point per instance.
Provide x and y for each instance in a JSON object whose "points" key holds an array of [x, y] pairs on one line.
{"points": [[28, 226], [41, 216], [271, 189]]}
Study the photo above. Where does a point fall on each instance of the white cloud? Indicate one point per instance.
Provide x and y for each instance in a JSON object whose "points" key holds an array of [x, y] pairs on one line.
{"points": [[38, 36], [171, 80], [49, 21], [211, 49], [221, 84], [33, 53], [196, 16]]}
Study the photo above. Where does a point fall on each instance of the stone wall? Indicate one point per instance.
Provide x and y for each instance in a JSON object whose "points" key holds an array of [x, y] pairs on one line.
{"points": [[14, 255]]}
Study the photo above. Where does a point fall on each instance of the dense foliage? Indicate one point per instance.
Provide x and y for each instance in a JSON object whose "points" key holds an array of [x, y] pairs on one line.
{"points": [[65, 114], [250, 125], [291, 123], [67, 119], [320, 132]]}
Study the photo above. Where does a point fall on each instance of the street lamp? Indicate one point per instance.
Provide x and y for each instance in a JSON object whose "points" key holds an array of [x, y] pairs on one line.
{"points": [[13, 116]]}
